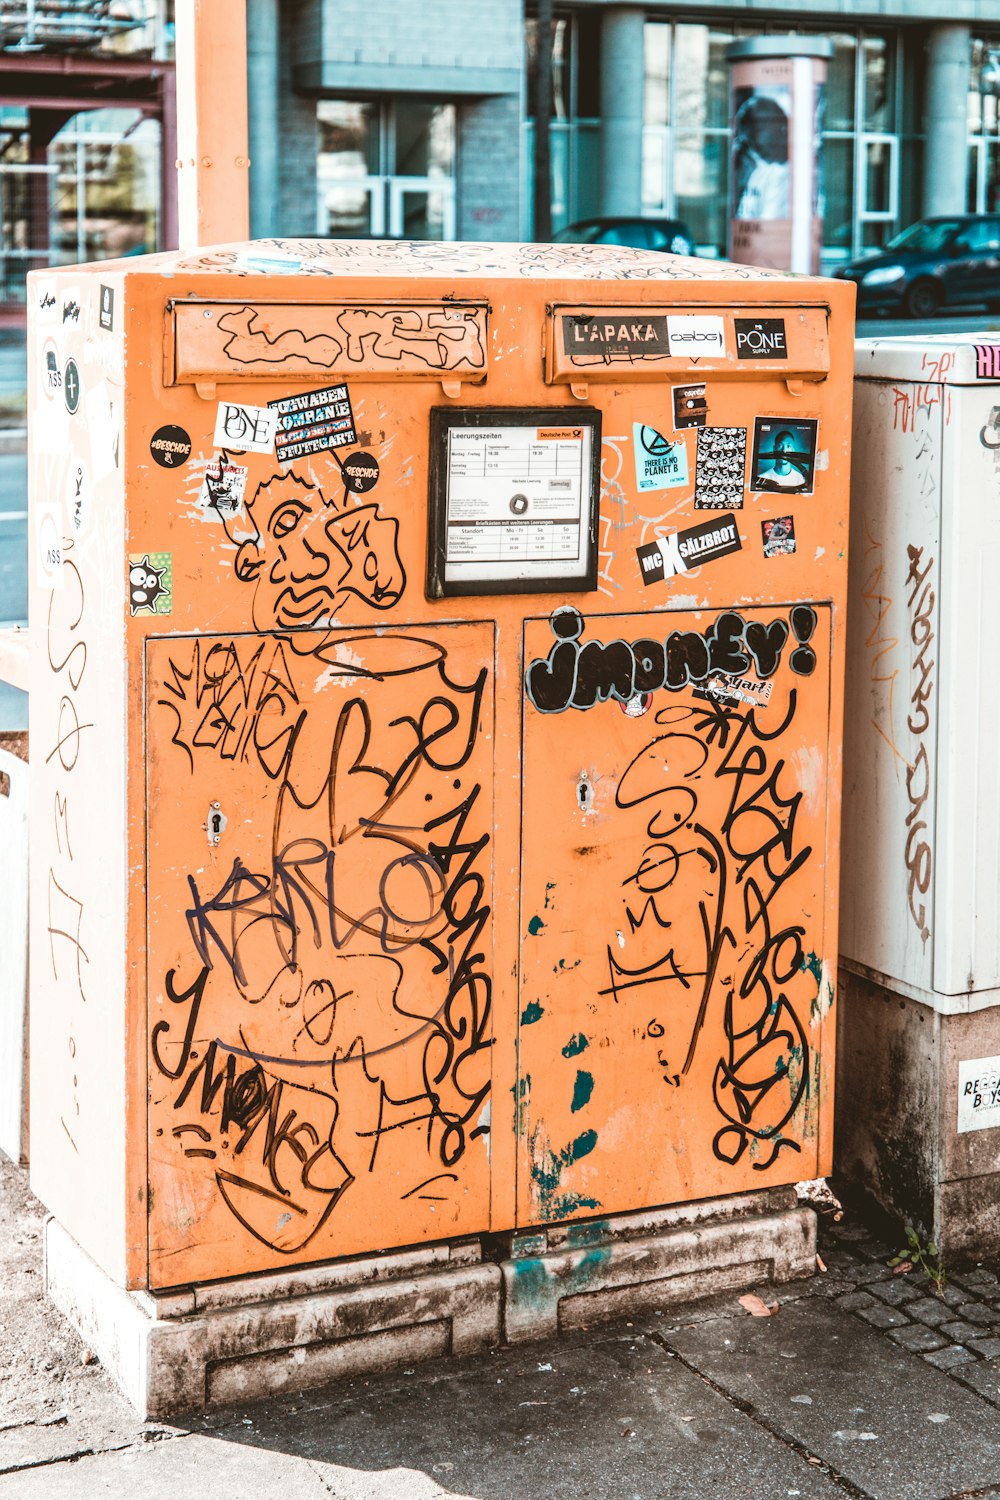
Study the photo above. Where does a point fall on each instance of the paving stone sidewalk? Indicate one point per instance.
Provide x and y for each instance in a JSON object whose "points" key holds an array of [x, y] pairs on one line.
{"points": [[954, 1327]]}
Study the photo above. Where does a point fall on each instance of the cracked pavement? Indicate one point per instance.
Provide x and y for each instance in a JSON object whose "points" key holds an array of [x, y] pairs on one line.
{"points": [[863, 1384]]}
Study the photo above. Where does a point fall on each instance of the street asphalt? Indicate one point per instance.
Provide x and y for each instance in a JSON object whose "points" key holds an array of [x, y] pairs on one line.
{"points": [[856, 1385]]}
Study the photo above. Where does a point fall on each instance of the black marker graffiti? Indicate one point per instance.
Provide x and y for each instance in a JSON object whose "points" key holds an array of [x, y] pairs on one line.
{"points": [[579, 674], [308, 558], [440, 338], [736, 879], [918, 852], [355, 951]]}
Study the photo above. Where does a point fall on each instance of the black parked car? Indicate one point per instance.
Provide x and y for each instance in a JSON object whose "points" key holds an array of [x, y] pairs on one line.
{"points": [[671, 235], [934, 263]]}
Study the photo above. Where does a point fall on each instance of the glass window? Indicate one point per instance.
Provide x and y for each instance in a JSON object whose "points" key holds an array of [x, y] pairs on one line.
{"points": [[656, 91], [701, 168], [926, 237], [977, 238], [840, 83], [701, 90], [424, 139], [877, 83], [878, 179], [349, 132], [560, 71], [587, 37], [838, 179]]}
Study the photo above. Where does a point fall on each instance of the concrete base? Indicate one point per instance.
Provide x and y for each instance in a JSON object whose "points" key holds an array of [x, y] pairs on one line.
{"points": [[244, 1339], [577, 1275], [240, 1340], [897, 1144]]}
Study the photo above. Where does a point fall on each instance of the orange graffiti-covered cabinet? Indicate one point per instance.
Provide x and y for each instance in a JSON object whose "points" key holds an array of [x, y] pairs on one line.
{"points": [[436, 725]]}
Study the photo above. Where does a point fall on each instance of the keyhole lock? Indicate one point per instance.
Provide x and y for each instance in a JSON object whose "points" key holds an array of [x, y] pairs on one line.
{"points": [[584, 792], [215, 823]]}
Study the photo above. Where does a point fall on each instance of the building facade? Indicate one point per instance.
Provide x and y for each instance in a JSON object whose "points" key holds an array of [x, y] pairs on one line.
{"points": [[86, 135], [383, 117]]}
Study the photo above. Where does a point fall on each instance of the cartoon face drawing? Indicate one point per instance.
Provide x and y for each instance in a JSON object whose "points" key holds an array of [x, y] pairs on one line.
{"points": [[307, 558], [145, 585]]}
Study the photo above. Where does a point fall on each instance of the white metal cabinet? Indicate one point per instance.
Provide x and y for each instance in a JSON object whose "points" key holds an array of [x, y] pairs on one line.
{"points": [[921, 830]]}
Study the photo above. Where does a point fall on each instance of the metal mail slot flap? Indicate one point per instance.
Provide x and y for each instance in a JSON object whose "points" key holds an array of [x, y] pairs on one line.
{"points": [[209, 341], [593, 343]]}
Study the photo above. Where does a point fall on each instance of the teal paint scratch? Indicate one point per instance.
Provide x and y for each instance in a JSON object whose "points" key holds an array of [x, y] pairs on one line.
{"points": [[531, 1278], [546, 1174], [582, 1090], [535, 926], [550, 886], [531, 1013], [594, 1233], [562, 967], [823, 999], [571, 1203], [575, 1045], [522, 1098], [812, 965]]}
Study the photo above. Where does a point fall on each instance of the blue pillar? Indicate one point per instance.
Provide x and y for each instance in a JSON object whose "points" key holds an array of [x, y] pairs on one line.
{"points": [[946, 117], [622, 73], [263, 85]]}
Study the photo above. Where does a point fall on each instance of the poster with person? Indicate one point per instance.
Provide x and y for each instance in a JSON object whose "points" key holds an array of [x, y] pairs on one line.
{"points": [[778, 87]]}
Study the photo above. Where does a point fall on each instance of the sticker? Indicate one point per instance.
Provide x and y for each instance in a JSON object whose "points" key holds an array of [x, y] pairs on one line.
{"points": [[79, 499], [107, 314], [249, 428], [267, 264], [978, 1094], [659, 463], [100, 413], [71, 386], [71, 307], [223, 488], [605, 334], [726, 688], [48, 545], [317, 422], [150, 583], [170, 446], [690, 406], [683, 550], [784, 455], [988, 361], [721, 462], [779, 536], [46, 300], [360, 471], [636, 706], [760, 338], [51, 373], [695, 336]]}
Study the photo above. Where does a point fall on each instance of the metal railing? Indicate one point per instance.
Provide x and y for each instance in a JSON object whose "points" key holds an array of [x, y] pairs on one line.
{"points": [[44, 25]]}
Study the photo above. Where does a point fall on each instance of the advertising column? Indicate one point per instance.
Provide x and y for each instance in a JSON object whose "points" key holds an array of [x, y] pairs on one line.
{"points": [[778, 88]]}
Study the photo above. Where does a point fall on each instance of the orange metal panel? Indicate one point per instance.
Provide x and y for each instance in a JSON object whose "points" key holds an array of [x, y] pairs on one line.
{"points": [[319, 820], [222, 340], [595, 343], [674, 828]]}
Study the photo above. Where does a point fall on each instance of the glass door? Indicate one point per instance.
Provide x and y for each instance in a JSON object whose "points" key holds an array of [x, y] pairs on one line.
{"points": [[877, 187], [421, 208], [386, 168]]}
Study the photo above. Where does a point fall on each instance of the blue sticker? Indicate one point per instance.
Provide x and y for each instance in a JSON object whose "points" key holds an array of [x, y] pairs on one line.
{"points": [[659, 463]]}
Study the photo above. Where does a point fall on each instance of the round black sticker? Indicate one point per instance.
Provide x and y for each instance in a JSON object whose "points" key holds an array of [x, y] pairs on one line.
{"points": [[360, 472], [71, 386], [170, 446]]}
